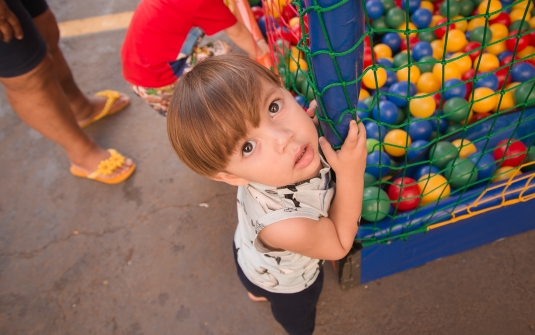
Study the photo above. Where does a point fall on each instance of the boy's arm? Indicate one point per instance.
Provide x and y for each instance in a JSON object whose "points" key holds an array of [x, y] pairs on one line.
{"points": [[240, 35], [329, 238]]}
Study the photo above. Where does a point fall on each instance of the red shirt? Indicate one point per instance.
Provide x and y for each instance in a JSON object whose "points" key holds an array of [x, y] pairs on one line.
{"points": [[157, 32]]}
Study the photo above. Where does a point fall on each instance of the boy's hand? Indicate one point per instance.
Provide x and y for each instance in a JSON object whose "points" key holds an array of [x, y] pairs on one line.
{"points": [[9, 24], [351, 158], [311, 111]]}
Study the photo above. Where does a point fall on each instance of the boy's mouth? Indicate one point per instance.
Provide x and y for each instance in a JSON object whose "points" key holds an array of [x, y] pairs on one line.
{"points": [[305, 157], [301, 155]]}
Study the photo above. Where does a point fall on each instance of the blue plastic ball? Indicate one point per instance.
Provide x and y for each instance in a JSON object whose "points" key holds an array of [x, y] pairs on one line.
{"points": [[385, 112], [416, 149], [504, 54], [451, 90], [440, 123], [391, 78], [421, 49], [377, 164], [301, 101], [393, 40], [419, 129], [522, 72], [413, 5], [385, 62], [400, 88], [489, 80], [422, 18], [375, 9], [382, 89], [374, 131], [425, 170], [363, 112], [485, 165]]}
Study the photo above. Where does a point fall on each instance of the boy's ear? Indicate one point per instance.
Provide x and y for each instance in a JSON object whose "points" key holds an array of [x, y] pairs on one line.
{"points": [[230, 179]]}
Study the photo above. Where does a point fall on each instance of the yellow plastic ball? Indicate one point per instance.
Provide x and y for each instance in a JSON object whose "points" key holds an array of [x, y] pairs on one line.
{"points": [[433, 187], [294, 21], [492, 5], [274, 8], [499, 30], [435, 19], [438, 49], [382, 51], [496, 48], [363, 94], [403, 74], [404, 28], [523, 4], [427, 5], [466, 148], [469, 118], [505, 173], [488, 100], [476, 22], [295, 64], [456, 40], [528, 51], [422, 107], [460, 25], [427, 83], [464, 63], [374, 79], [507, 101], [396, 142], [451, 71], [518, 14], [487, 62]]}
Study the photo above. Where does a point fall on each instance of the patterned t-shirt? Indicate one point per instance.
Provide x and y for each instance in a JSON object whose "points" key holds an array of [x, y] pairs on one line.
{"points": [[258, 207]]}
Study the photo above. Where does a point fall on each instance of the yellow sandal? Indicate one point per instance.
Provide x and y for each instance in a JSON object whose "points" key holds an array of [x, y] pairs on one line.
{"points": [[111, 97], [106, 168]]}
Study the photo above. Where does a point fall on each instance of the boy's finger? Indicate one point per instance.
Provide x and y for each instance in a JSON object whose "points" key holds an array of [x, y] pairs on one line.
{"points": [[311, 111], [328, 151], [352, 135]]}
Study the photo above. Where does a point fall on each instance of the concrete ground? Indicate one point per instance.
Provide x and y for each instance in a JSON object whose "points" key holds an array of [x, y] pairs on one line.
{"points": [[143, 257]]}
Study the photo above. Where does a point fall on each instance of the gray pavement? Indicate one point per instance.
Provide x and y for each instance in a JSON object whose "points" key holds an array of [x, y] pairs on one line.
{"points": [[142, 257]]}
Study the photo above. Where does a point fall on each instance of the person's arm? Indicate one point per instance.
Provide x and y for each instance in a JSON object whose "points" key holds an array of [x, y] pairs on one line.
{"points": [[240, 35], [9, 24], [329, 238]]}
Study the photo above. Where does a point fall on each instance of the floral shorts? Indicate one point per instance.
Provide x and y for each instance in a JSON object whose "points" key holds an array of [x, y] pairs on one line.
{"points": [[158, 98]]}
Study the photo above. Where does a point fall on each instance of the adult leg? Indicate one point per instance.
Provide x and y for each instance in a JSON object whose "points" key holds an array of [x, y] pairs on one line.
{"points": [[84, 108]]}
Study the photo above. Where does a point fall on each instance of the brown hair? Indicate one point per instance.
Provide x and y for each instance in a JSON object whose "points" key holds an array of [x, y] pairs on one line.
{"points": [[210, 108]]}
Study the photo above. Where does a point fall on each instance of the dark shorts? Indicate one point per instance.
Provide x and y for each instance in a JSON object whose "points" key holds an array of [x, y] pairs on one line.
{"points": [[18, 57], [296, 312]]}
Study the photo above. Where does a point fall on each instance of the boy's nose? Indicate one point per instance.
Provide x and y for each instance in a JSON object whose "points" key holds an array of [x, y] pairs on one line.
{"points": [[283, 136]]}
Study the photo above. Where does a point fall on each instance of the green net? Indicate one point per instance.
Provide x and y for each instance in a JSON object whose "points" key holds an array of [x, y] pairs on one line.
{"points": [[446, 94]]}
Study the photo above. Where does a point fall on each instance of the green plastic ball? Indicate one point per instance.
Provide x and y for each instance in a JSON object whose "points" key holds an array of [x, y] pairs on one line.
{"points": [[521, 94], [368, 101], [467, 7], [426, 67], [286, 77], [299, 77], [530, 157], [479, 33], [428, 36], [373, 145], [369, 180], [306, 90], [379, 23], [375, 204], [401, 59], [395, 17], [455, 8], [456, 109], [516, 25], [388, 4], [442, 153], [454, 128], [460, 173], [402, 116]]}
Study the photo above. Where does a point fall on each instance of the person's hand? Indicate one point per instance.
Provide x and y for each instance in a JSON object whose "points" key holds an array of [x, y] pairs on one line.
{"points": [[350, 160], [311, 111], [9, 24]]}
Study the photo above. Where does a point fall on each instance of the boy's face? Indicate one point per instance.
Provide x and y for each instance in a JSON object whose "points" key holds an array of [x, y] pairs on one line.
{"points": [[282, 150]]}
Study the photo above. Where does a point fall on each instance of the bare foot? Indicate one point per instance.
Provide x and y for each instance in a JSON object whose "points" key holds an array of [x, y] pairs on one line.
{"points": [[91, 160], [255, 298], [96, 104]]}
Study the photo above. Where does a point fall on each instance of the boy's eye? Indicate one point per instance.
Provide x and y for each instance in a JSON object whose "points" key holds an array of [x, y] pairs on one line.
{"points": [[275, 107], [248, 148]]}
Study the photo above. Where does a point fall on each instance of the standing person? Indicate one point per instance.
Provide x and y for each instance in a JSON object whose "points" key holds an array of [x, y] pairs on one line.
{"points": [[231, 120], [161, 44], [40, 88]]}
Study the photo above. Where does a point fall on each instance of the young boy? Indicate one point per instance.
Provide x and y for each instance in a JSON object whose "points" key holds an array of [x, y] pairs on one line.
{"points": [[231, 120]]}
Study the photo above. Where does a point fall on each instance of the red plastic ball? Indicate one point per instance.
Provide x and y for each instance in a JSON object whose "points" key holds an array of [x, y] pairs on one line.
{"points": [[440, 32], [531, 38], [404, 193], [502, 18], [471, 46], [437, 97], [296, 34], [502, 75], [368, 57], [478, 116], [258, 12], [367, 40], [288, 12], [514, 153], [412, 41], [507, 60], [511, 41]]}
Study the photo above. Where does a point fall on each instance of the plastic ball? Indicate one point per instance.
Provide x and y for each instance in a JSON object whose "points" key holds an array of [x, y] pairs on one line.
{"points": [[441, 31], [506, 101], [421, 49], [496, 47], [488, 80], [379, 23], [422, 18], [382, 50], [485, 165], [439, 122], [432, 188], [401, 59], [369, 180], [523, 4], [405, 28], [461, 23], [487, 97], [467, 7], [454, 41], [451, 71], [404, 194], [505, 173], [377, 164], [502, 18], [456, 109], [411, 73], [301, 101], [515, 40], [487, 63], [368, 57], [476, 22], [528, 53], [412, 4], [490, 5], [481, 35], [401, 88], [385, 112], [519, 25], [425, 170], [427, 83], [512, 153], [419, 129], [416, 150], [461, 173], [375, 204], [426, 64], [374, 79], [518, 14], [392, 40], [522, 72], [454, 88], [388, 4], [438, 48], [530, 159], [391, 78], [386, 62], [372, 145], [442, 153], [362, 110], [472, 49], [373, 130], [396, 141], [375, 9], [466, 148], [274, 8], [499, 30], [450, 9], [435, 19], [395, 17], [422, 107]]}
